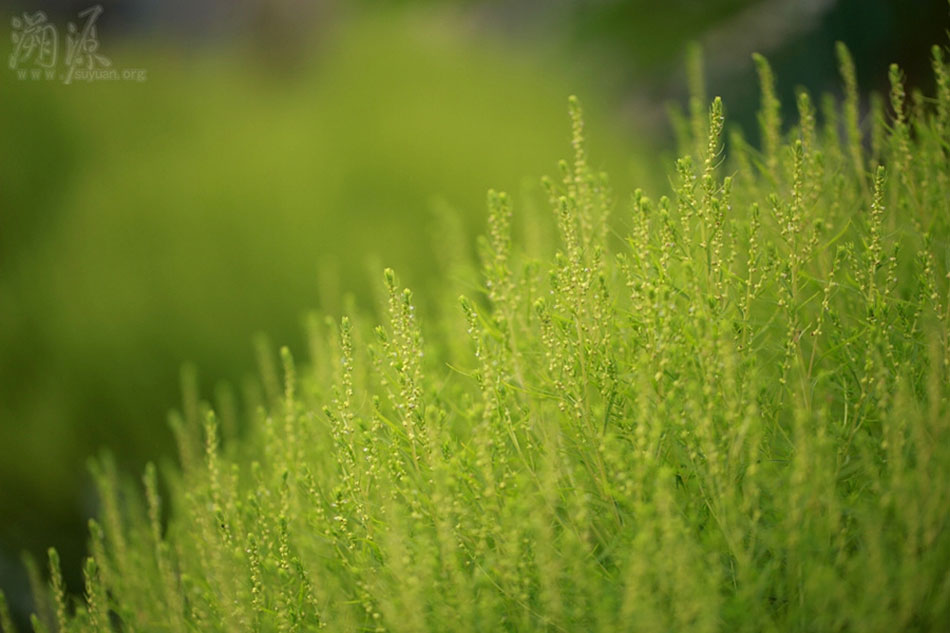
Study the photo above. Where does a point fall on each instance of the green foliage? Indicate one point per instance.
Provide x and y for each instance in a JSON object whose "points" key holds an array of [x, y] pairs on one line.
{"points": [[141, 230], [734, 419]]}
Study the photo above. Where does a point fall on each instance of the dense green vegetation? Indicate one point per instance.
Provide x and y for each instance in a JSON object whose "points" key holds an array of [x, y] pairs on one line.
{"points": [[149, 225], [734, 418]]}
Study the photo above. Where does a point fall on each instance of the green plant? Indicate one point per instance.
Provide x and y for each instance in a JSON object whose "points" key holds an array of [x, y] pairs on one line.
{"points": [[109, 281], [734, 419]]}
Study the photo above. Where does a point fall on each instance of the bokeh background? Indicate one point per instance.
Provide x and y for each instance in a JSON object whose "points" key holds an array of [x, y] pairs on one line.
{"points": [[279, 154]]}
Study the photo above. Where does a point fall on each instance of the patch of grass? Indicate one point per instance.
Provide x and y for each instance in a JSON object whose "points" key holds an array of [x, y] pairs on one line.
{"points": [[733, 419], [146, 225]]}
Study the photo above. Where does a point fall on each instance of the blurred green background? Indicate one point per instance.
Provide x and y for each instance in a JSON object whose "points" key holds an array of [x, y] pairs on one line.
{"points": [[280, 153]]}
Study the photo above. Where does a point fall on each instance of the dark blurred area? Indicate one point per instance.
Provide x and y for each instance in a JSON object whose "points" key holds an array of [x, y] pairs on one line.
{"points": [[636, 47], [273, 156]]}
